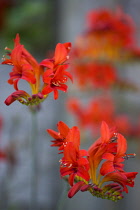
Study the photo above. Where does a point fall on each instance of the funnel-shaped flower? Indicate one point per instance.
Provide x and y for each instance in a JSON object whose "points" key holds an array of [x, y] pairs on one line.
{"points": [[56, 76], [41, 81], [24, 66], [60, 136], [103, 162], [109, 38], [74, 164], [97, 110]]}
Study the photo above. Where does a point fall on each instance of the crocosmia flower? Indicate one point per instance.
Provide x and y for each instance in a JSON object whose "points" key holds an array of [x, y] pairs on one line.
{"points": [[100, 169], [56, 75], [50, 75], [109, 38], [59, 137], [96, 110]]}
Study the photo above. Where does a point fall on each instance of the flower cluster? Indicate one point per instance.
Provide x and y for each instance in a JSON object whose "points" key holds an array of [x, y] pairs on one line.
{"points": [[101, 108], [43, 78], [100, 169], [107, 40]]}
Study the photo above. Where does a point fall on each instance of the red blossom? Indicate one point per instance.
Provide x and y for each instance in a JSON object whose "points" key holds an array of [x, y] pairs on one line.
{"points": [[90, 115], [17, 95], [55, 75], [75, 189], [123, 179], [55, 80], [109, 38], [60, 56], [116, 24], [114, 161], [24, 65], [95, 74], [87, 171], [73, 163], [60, 136], [48, 76]]}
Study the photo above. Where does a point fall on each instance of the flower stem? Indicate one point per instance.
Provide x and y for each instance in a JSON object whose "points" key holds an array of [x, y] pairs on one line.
{"points": [[34, 161], [63, 197]]}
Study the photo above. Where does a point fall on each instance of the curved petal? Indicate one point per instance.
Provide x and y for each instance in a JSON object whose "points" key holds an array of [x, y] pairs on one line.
{"points": [[63, 128], [83, 152], [53, 133], [106, 168], [16, 55], [47, 63], [71, 178], [105, 132], [46, 90], [70, 154], [83, 172], [117, 177], [17, 40], [108, 156], [55, 94], [60, 54], [122, 145], [15, 96], [75, 189], [74, 137]]}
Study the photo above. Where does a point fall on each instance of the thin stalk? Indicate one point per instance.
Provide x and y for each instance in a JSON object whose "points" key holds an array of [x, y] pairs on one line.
{"points": [[63, 197], [34, 161]]}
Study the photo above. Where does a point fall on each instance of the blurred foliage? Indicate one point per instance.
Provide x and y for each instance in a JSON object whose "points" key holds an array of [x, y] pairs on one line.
{"points": [[34, 21]]}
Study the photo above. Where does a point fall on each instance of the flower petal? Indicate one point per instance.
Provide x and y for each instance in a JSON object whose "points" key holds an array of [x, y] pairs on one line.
{"points": [[75, 189], [63, 128], [105, 132], [122, 145], [106, 168]]}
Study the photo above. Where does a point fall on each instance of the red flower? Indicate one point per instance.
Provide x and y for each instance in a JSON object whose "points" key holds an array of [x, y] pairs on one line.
{"points": [[24, 66], [19, 95], [91, 115], [24, 98], [97, 74], [112, 148], [60, 136], [117, 25], [86, 170], [56, 75], [102, 75], [65, 135], [114, 161], [97, 110], [27, 68], [74, 164], [78, 186], [74, 106], [60, 56], [108, 39], [122, 179], [55, 80], [123, 124]]}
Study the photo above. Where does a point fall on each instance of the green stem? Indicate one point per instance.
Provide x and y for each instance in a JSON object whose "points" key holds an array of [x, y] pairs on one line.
{"points": [[63, 197], [34, 161]]}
